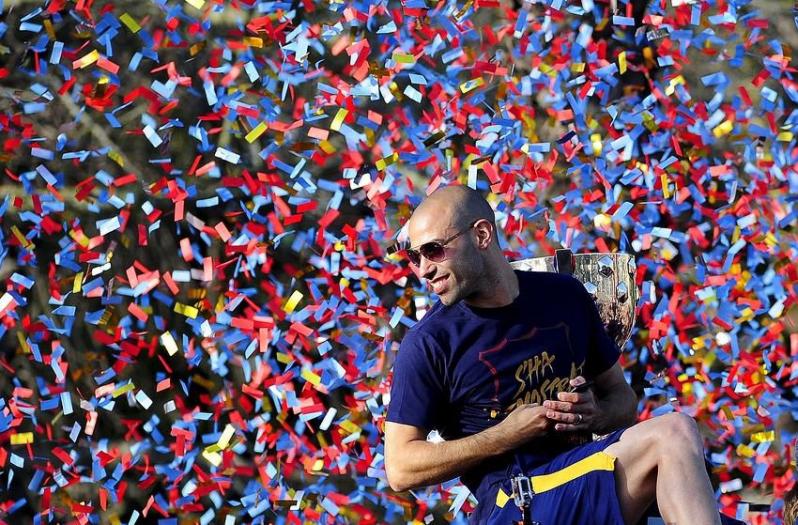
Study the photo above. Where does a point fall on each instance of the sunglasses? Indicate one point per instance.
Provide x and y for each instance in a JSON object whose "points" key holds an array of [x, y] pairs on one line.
{"points": [[434, 251]]}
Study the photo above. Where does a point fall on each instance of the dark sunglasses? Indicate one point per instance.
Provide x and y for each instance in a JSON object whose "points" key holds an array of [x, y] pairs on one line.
{"points": [[434, 251]]}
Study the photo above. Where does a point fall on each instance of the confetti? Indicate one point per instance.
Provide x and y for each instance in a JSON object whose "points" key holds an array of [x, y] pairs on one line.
{"points": [[200, 311]]}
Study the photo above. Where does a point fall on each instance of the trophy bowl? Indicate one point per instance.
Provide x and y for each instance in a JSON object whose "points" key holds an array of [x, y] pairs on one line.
{"points": [[609, 278]]}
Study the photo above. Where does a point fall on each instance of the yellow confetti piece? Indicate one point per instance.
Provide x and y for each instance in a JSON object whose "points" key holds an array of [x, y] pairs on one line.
{"points": [[169, 343], [622, 63], [762, 437], [196, 3], [86, 60], [48, 26], [745, 451], [78, 237], [311, 377], [724, 128], [784, 136], [387, 161], [130, 23], [21, 238], [116, 157], [339, 119], [290, 305], [23, 438], [404, 58], [666, 190], [577, 67], [77, 284], [283, 358], [595, 141], [671, 87], [327, 147], [256, 132], [771, 240], [471, 85], [349, 427], [746, 315], [188, 311], [727, 412], [317, 465], [650, 122], [213, 458], [201, 381], [23, 343], [123, 389], [736, 235], [253, 41], [227, 434]]}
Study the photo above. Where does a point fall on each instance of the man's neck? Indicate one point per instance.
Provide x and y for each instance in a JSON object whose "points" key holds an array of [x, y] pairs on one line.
{"points": [[497, 292]]}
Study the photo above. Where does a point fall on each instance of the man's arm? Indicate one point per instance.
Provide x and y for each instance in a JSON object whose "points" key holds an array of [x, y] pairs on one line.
{"points": [[617, 401], [613, 406], [411, 461]]}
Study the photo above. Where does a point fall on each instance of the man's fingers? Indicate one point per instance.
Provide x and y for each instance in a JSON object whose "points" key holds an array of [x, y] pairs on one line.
{"points": [[571, 397], [564, 427], [562, 406], [577, 381], [565, 417]]}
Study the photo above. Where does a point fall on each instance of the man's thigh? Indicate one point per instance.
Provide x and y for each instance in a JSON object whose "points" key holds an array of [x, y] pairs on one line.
{"points": [[636, 456], [635, 449]]}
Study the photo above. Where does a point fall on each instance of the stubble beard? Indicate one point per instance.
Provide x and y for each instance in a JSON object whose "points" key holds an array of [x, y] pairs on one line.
{"points": [[468, 283]]}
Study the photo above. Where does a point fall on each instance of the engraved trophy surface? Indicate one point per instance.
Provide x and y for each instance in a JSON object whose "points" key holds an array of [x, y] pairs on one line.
{"points": [[609, 278]]}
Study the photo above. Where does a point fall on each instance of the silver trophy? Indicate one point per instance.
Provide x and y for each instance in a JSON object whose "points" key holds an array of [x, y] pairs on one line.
{"points": [[609, 278]]}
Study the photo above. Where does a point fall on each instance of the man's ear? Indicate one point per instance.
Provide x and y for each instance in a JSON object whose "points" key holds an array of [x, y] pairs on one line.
{"points": [[485, 233]]}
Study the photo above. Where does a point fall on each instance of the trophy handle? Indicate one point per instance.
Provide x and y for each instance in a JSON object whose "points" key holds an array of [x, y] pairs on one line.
{"points": [[609, 278]]}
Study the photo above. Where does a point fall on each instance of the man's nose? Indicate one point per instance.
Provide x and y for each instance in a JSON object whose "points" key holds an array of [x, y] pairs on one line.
{"points": [[426, 268]]}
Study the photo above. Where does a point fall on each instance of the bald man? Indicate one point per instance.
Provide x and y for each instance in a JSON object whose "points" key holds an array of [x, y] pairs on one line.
{"points": [[500, 367]]}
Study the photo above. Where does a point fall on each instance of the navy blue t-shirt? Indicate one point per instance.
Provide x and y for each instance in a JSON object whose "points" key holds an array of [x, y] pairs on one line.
{"points": [[461, 369]]}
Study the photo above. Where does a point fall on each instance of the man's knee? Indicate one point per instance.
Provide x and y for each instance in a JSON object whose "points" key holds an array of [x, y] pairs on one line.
{"points": [[679, 432]]}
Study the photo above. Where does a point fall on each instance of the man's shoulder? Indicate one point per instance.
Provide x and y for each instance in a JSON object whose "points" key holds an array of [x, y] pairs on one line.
{"points": [[435, 322]]}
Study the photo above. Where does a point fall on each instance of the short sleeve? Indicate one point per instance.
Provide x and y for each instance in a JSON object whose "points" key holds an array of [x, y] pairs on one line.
{"points": [[418, 396], [602, 352]]}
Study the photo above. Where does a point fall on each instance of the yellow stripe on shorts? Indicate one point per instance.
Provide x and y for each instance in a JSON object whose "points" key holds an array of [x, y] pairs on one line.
{"points": [[546, 482]]}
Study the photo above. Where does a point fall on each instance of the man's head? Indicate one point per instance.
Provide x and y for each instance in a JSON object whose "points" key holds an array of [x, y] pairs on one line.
{"points": [[453, 241]]}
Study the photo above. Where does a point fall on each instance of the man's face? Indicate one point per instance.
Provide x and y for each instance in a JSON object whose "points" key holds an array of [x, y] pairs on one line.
{"points": [[457, 276]]}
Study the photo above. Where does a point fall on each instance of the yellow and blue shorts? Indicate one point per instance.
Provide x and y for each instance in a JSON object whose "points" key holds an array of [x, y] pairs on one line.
{"points": [[577, 487]]}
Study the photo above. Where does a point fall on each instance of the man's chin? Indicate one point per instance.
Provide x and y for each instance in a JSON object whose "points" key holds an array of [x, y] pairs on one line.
{"points": [[448, 299]]}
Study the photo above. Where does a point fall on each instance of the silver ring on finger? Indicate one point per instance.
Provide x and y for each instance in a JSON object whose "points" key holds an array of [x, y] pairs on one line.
{"points": [[579, 419]]}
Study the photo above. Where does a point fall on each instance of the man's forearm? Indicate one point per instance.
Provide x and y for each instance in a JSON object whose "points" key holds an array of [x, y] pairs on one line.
{"points": [[425, 463], [618, 409], [411, 461]]}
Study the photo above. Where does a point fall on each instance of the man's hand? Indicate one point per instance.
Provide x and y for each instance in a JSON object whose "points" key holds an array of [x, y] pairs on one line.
{"points": [[574, 410], [524, 423]]}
